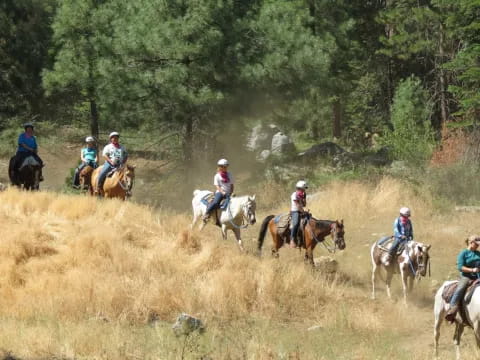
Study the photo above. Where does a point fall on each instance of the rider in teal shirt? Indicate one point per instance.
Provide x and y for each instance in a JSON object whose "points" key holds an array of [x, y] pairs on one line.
{"points": [[468, 263]]}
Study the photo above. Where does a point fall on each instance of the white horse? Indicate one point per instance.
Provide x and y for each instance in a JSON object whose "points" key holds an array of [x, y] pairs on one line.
{"points": [[472, 312], [411, 263], [240, 210]]}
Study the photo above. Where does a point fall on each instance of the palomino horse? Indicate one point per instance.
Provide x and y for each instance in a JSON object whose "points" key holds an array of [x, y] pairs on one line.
{"points": [[28, 174], [472, 313], [412, 263], [315, 232], [240, 210], [85, 178], [119, 185]]}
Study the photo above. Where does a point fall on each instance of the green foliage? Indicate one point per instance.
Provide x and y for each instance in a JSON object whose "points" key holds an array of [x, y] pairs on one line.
{"points": [[412, 137]]}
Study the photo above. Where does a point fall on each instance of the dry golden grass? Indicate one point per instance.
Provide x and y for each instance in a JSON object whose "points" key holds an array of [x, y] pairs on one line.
{"points": [[82, 278]]}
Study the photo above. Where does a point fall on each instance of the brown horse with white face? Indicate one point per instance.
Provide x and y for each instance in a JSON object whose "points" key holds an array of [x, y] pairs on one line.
{"points": [[314, 232], [119, 185]]}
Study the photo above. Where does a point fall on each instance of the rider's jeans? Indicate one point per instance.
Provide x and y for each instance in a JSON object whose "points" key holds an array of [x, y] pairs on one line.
{"points": [[395, 245], [216, 201], [103, 174], [460, 290], [295, 224]]}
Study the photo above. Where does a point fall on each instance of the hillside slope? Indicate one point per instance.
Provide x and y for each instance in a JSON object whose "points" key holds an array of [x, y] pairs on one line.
{"points": [[82, 278]]}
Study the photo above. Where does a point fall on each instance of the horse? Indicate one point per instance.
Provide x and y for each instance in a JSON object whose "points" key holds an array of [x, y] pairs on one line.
{"points": [[240, 210], [472, 313], [27, 175], [315, 232], [119, 185], [85, 179], [412, 264]]}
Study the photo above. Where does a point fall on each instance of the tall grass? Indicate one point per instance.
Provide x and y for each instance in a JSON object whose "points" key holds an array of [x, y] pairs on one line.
{"points": [[82, 278]]}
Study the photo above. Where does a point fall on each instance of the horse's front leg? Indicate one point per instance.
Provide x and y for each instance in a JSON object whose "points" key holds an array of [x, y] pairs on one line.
{"points": [[239, 240], [374, 274]]}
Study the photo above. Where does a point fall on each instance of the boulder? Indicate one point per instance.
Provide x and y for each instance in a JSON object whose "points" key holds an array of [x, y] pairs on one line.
{"points": [[261, 137], [281, 144], [186, 324], [326, 264], [264, 155], [325, 149]]}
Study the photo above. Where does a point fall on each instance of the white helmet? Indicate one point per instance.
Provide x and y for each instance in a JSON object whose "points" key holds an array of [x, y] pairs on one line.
{"points": [[405, 211], [113, 134], [301, 185], [89, 139], [222, 162], [28, 124]]}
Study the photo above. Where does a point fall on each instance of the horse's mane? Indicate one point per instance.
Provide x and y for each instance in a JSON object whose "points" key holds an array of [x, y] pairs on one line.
{"points": [[323, 222]]}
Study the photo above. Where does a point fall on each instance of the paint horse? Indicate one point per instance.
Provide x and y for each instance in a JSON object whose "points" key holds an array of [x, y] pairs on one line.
{"points": [[412, 263], [471, 317], [314, 232], [237, 215]]}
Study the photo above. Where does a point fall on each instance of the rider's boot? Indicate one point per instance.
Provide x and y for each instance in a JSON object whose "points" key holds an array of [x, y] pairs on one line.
{"points": [[452, 313], [41, 175]]}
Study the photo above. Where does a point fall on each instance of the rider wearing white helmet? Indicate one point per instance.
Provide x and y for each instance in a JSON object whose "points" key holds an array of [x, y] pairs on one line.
{"points": [[402, 231], [298, 202], [88, 156], [223, 181], [115, 155], [27, 146]]}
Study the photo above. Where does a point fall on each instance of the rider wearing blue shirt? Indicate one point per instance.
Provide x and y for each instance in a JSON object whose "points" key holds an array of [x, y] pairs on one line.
{"points": [[402, 232], [468, 263], [27, 146]]}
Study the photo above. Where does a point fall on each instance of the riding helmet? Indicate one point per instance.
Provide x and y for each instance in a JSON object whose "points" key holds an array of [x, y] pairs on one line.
{"points": [[27, 125], [405, 211], [301, 184], [223, 162], [112, 134], [89, 139]]}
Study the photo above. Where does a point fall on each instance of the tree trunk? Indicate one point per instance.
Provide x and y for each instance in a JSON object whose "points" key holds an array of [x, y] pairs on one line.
{"points": [[188, 141], [94, 119], [443, 82], [337, 119]]}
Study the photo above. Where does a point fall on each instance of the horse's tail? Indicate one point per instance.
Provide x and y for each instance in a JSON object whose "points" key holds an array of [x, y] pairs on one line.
{"points": [[263, 230]]}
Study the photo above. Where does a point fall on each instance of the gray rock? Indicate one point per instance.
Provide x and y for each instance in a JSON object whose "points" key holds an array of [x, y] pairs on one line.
{"points": [[325, 149], [281, 144], [264, 155], [326, 264], [261, 137], [186, 324]]}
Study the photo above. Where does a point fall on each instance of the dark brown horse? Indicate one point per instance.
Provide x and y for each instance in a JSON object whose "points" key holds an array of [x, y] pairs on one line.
{"points": [[314, 232], [85, 179], [27, 176]]}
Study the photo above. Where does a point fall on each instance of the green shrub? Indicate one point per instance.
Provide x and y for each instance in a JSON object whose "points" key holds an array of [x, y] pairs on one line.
{"points": [[412, 137]]}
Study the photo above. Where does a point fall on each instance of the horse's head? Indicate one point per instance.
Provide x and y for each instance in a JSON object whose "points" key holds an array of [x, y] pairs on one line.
{"points": [[249, 209], [420, 254], [85, 176], [127, 177], [338, 233]]}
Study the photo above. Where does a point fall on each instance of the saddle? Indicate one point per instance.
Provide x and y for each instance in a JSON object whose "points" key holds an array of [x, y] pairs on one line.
{"points": [[207, 199], [385, 243], [449, 290], [283, 223]]}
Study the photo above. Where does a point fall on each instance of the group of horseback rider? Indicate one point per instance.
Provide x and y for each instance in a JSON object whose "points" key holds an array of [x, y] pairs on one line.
{"points": [[114, 154]]}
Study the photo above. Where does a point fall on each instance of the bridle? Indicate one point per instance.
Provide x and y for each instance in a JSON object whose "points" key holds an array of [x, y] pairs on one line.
{"points": [[246, 213], [326, 243], [126, 182]]}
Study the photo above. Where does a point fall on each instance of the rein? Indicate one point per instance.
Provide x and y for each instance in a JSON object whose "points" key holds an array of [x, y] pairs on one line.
{"points": [[229, 210], [323, 241], [123, 184]]}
